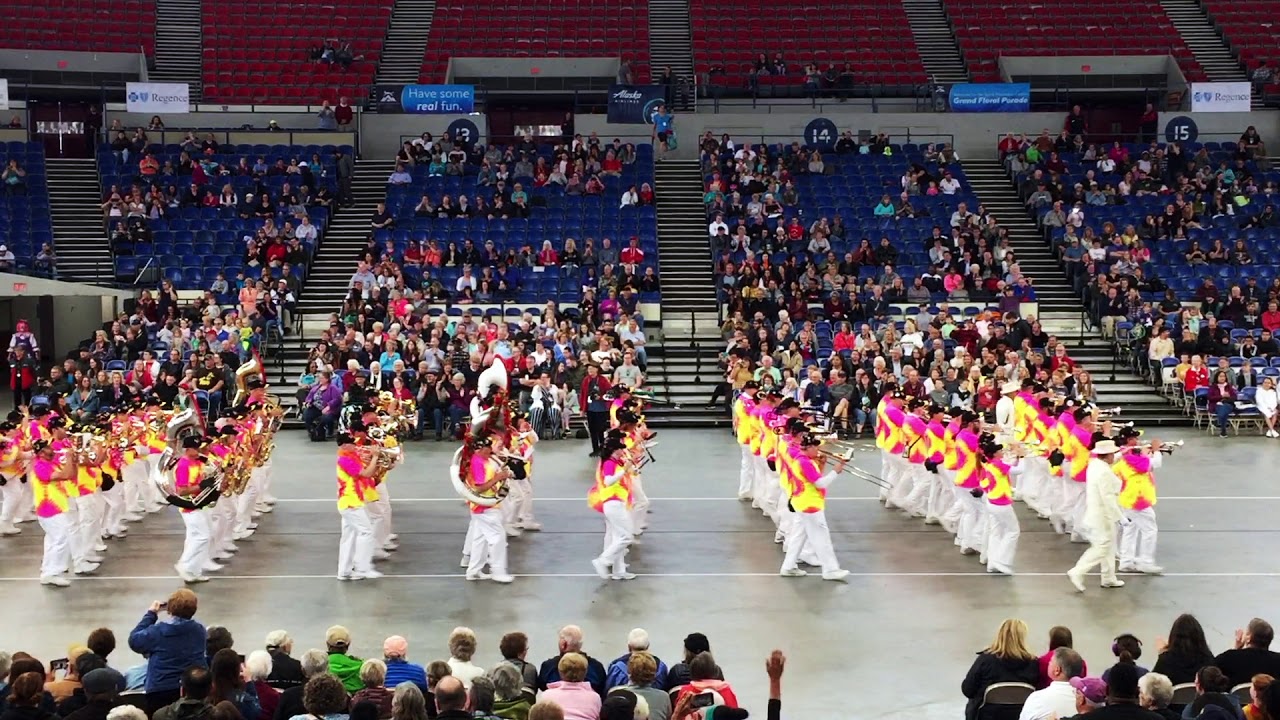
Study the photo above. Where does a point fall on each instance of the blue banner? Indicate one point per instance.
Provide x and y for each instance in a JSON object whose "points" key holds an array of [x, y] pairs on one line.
{"points": [[438, 99], [991, 97], [634, 104]]}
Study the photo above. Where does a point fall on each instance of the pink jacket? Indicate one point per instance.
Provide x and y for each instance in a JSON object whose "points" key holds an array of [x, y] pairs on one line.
{"points": [[578, 699]]}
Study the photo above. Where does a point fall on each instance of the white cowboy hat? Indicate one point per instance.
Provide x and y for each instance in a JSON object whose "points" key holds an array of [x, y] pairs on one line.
{"points": [[1010, 387], [1105, 447]]}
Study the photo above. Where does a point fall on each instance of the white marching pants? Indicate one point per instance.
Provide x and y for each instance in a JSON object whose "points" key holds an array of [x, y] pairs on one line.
{"points": [[27, 506], [113, 510], [1101, 553], [759, 470], [639, 505], [522, 508], [380, 515], [152, 499], [916, 500], [57, 545], [745, 474], [81, 512], [969, 524], [1002, 537], [222, 518], [813, 534], [489, 543], [196, 547], [355, 548], [1031, 481], [1138, 539], [132, 476], [618, 535], [1074, 506], [896, 473], [245, 502], [1068, 503], [10, 502], [470, 538], [941, 498], [264, 490]]}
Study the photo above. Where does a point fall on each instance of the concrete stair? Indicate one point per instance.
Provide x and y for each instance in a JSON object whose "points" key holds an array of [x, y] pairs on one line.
{"points": [[80, 240], [179, 44], [684, 252], [670, 39], [335, 259], [935, 41], [406, 42]]}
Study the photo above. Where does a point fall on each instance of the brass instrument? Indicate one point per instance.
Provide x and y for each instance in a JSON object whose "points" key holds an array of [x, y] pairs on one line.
{"points": [[845, 456], [1104, 413], [464, 489], [1166, 448], [648, 397], [90, 449], [252, 367]]}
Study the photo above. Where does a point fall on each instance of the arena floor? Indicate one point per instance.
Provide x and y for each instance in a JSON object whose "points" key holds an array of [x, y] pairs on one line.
{"points": [[904, 627]]}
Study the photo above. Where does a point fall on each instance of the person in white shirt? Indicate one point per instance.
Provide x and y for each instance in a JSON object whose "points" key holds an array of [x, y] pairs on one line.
{"points": [[1268, 401], [306, 232], [1102, 513], [949, 185], [1161, 347], [366, 279], [630, 197], [714, 228], [1004, 411], [1059, 699], [544, 407], [466, 280], [631, 332]]}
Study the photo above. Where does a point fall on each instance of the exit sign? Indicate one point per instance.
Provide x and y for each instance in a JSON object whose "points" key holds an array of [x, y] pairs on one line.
{"points": [[19, 287]]}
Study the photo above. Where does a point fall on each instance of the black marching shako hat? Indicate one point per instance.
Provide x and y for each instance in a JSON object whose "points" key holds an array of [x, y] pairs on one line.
{"points": [[191, 442]]}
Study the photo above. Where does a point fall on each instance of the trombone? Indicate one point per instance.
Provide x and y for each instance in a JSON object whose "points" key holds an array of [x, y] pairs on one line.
{"points": [[652, 399], [845, 457], [1166, 448]]}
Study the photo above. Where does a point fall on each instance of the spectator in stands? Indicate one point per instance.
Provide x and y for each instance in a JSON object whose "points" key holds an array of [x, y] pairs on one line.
{"points": [[1184, 652], [1251, 654], [1155, 692], [1058, 698], [326, 118], [1006, 659], [14, 178]]}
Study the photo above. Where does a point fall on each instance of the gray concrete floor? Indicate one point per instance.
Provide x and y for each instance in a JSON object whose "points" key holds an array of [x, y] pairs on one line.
{"points": [[905, 626]]}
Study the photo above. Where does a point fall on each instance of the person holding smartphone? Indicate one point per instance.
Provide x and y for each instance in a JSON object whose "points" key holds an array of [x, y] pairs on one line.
{"points": [[173, 645]]}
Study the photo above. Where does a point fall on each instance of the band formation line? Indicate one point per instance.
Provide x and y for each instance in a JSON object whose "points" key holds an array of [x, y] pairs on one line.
{"points": [[1091, 478]]}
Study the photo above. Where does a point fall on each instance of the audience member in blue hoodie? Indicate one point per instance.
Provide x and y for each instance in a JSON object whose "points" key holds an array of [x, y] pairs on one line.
{"points": [[170, 646]]}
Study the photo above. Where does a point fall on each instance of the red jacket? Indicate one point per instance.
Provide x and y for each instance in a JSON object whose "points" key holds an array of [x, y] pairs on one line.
{"points": [[1271, 320], [584, 393], [1196, 378]]}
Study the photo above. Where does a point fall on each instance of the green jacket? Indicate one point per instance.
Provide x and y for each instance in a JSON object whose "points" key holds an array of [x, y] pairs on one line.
{"points": [[347, 668], [513, 709]]}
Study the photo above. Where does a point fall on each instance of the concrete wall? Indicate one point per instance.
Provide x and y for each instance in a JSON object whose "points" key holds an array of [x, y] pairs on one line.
{"points": [[973, 133], [60, 61]]}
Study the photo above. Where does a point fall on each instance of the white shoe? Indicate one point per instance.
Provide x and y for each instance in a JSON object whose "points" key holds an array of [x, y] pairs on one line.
{"points": [[1128, 569], [100, 547], [602, 569], [744, 496], [55, 581], [242, 535], [86, 568], [211, 567], [466, 560], [504, 579], [92, 558], [368, 575], [623, 576], [10, 530], [1077, 580], [223, 556], [1112, 583], [382, 555], [346, 578], [268, 500], [933, 520], [1150, 569], [132, 518], [836, 575], [391, 547], [478, 576], [393, 538], [262, 508], [793, 572], [512, 531], [529, 525]]}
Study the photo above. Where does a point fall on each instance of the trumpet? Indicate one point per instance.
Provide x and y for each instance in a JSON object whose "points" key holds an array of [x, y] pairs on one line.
{"points": [[1166, 448], [1105, 413], [653, 399]]}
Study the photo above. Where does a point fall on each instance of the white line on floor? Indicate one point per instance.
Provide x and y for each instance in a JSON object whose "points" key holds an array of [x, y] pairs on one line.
{"points": [[583, 499], [459, 576]]}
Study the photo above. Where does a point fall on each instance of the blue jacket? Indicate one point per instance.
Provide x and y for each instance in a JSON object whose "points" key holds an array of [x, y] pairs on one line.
{"points": [[399, 671], [618, 674], [171, 647]]}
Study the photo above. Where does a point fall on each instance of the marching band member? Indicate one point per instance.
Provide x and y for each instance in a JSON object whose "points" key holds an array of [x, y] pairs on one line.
{"points": [[945, 506], [49, 478], [890, 439], [1077, 448], [610, 495], [788, 454], [632, 440], [929, 448], [152, 447], [808, 499], [1136, 466], [1002, 521], [1026, 407], [113, 477], [965, 465], [742, 428], [775, 492], [87, 509], [188, 479], [914, 431], [762, 420], [484, 475], [355, 549], [13, 476], [1035, 484], [619, 396], [379, 505], [1102, 512], [519, 502]]}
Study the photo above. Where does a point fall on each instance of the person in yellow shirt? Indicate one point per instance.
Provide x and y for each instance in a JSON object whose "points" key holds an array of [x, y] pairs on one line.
{"points": [[355, 548], [13, 467]]}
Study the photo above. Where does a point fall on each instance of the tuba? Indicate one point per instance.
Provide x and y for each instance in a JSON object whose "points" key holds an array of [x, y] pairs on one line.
{"points": [[485, 407], [465, 491], [181, 425], [252, 367]]}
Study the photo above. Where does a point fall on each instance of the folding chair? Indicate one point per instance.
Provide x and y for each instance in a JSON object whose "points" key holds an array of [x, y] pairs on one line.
{"points": [[1004, 701]]}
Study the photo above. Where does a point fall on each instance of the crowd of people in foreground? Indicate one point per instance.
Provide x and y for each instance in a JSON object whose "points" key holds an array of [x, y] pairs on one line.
{"points": [[194, 672], [1236, 684]]}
